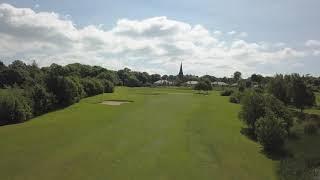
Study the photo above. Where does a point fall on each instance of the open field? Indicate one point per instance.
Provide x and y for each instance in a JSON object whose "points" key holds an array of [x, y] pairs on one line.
{"points": [[163, 134]]}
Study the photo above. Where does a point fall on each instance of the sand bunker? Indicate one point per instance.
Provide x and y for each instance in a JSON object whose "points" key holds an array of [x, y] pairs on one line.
{"points": [[115, 103]]}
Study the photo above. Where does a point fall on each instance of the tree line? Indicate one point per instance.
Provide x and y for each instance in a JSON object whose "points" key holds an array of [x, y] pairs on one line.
{"points": [[27, 91]]}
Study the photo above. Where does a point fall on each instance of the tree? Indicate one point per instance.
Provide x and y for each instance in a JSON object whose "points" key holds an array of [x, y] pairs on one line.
{"points": [[108, 86], [9, 77], [164, 77], [253, 108], [203, 85], [133, 81], [155, 77], [13, 107], [143, 78], [69, 91], [92, 86], [279, 109], [110, 76], [2, 66], [124, 75], [278, 87], [301, 95], [256, 78], [271, 131], [237, 76], [256, 105], [42, 101], [171, 78]]}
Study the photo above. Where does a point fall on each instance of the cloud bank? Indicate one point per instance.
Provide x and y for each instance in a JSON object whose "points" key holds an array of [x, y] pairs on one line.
{"points": [[155, 45]]}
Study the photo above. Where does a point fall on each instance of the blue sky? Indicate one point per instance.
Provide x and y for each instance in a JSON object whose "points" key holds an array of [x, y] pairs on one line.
{"points": [[286, 23]]}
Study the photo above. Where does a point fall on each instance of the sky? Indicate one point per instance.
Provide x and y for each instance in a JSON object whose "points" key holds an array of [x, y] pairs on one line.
{"points": [[207, 36]]}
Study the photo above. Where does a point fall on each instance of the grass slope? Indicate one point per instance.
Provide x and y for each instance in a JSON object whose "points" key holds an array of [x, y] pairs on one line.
{"points": [[164, 134]]}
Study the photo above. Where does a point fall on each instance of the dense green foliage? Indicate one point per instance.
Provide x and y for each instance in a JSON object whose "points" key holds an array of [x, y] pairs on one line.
{"points": [[253, 108], [13, 107], [261, 113], [292, 89], [271, 131], [31, 91], [226, 92], [203, 85]]}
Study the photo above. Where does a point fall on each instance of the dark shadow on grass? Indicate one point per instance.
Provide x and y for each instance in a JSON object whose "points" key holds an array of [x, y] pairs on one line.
{"points": [[293, 136], [277, 154], [249, 133]]}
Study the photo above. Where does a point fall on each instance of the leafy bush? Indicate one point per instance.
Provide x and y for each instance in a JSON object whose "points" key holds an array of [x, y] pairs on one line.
{"points": [[253, 108], [280, 110], [270, 131], [233, 99], [42, 101], [13, 108], [310, 128], [236, 97], [92, 86], [256, 105], [203, 85], [107, 86], [226, 92]]}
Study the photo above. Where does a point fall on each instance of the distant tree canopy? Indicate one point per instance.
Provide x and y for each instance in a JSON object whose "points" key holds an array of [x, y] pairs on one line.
{"points": [[257, 78], [237, 76], [203, 85], [292, 89]]}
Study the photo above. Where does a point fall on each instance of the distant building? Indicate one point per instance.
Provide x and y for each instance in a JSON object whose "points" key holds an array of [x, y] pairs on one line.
{"points": [[234, 84], [163, 83], [180, 75], [191, 83], [217, 83]]}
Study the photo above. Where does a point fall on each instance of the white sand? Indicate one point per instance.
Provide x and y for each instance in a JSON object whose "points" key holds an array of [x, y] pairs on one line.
{"points": [[115, 103]]}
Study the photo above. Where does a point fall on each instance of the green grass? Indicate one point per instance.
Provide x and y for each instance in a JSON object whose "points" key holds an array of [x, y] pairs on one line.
{"points": [[315, 110], [165, 134]]}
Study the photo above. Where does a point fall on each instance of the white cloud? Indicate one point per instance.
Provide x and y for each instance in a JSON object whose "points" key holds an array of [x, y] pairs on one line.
{"points": [[312, 43], [316, 52], [243, 35], [155, 44], [232, 32]]}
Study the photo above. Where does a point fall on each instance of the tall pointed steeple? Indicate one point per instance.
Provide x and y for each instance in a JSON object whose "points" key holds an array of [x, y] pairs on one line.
{"points": [[180, 75]]}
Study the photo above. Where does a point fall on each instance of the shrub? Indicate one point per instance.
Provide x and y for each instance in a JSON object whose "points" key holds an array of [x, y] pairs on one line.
{"points": [[233, 99], [310, 128], [13, 108], [280, 110], [226, 92], [203, 85], [236, 97], [253, 108], [69, 91], [270, 131], [256, 105], [92, 86], [108, 86], [42, 101]]}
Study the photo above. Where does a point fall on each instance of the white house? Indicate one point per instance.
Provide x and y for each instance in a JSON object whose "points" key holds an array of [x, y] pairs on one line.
{"points": [[219, 84], [163, 83], [191, 83]]}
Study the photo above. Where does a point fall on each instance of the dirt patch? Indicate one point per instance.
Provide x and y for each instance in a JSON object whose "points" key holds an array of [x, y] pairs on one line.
{"points": [[115, 103]]}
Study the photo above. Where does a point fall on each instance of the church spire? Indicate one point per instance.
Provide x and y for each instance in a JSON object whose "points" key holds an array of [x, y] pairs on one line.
{"points": [[180, 75]]}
